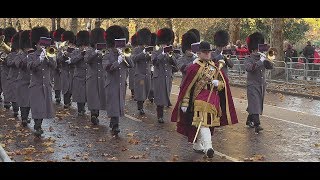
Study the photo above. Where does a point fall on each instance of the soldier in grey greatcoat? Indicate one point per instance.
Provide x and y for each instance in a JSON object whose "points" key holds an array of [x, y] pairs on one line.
{"points": [[40, 86], [95, 90], [57, 71], [0, 69], [13, 73], [164, 65], [221, 40], [131, 73], [153, 43], [188, 57], [23, 79], [142, 76], [79, 76], [115, 65], [256, 65], [8, 33], [67, 69]]}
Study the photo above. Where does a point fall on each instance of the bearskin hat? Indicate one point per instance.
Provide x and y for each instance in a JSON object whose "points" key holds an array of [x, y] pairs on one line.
{"points": [[144, 36], [9, 32], [221, 38], [134, 40], [126, 33], [57, 34], [253, 40], [82, 38], [196, 32], [188, 38], [25, 39], [15, 41], [112, 33], [36, 33], [97, 35], [153, 39], [68, 36], [164, 36]]}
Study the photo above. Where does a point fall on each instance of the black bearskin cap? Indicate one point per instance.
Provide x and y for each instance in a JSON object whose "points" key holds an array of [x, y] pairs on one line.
{"points": [[25, 39], [134, 40], [112, 33], [57, 34], [68, 36], [126, 33], [144, 36], [221, 38], [38, 32], [153, 39], [253, 40], [196, 32], [187, 39], [83, 38], [97, 35], [9, 32], [15, 41], [164, 36]]}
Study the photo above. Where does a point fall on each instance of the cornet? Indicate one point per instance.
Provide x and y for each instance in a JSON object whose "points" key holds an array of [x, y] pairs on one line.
{"points": [[270, 55], [125, 54], [3, 45], [51, 52]]}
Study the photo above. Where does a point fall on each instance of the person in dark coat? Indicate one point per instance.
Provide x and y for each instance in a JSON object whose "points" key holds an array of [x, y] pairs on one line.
{"points": [[40, 86], [255, 65], [142, 76], [67, 69], [153, 43], [95, 90], [115, 65], [57, 72], [131, 73], [0, 70], [164, 63], [188, 56], [8, 33], [13, 73], [79, 76]]}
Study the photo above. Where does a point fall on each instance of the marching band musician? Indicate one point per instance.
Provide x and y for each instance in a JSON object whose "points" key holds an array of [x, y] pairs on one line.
{"points": [[79, 76], [255, 65], [8, 33], [197, 110], [67, 69], [0, 69], [23, 79], [153, 43], [115, 65], [13, 73], [142, 76], [188, 56], [94, 78], [164, 63], [221, 39], [40, 86], [131, 73], [57, 72], [196, 32], [128, 46]]}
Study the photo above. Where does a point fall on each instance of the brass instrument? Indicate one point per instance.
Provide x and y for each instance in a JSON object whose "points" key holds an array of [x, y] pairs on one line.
{"points": [[125, 53], [3, 45], [51, 52], [270, 55]]}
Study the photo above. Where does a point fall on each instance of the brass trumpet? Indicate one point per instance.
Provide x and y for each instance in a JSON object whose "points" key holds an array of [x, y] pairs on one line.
{"points": [[51, 51], [3, 45], [270, 55], [125, 53]]}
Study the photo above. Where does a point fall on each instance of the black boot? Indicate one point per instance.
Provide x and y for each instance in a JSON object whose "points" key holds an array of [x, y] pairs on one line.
{"points": [[7, 105], [81, 110], [58, 96], [257, 129], [94, 117], [132, 93], [67, 100], [256, 121], [160, 114], [15, 109], [250, 121], [140, 107], [37, 127], [24, 116], [114, 124]]}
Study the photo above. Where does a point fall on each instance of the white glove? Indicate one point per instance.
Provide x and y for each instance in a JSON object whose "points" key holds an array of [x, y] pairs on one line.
{"points": [[42, 56], [144, 51], [184, 109], [68, 61], [120, 59], [215, 82], [194, 61], [262, 58], [163, 53], [96, 51]]}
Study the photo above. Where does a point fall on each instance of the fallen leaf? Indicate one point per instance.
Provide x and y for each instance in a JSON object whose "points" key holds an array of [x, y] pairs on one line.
{"points": [[67, 157], [86, 127], [85, 157], [317, 145], [89, 145], [49, 150], [175, 158], [133, 141], [3, 145], [78, 155], [124, 149], [28, 158], [259, 157], [101, 140], [135, 157], [95, 128], [130, 134], [47, 144], [106, 155]]}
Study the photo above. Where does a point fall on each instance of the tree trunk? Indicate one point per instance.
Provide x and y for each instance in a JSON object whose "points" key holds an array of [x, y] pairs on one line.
{"points": [[53, 24], [30, 25], [58, 23], [97, 23], [234, 29], [169, 23], [74, 25], [10, 22], [4, 23], [88, 23], [277, 42], [18, 25]]}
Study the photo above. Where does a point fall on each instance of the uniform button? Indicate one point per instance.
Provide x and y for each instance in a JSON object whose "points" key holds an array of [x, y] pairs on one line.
{"points": [[166, 76], [120, 75], [42, 69], [99, 77], [166, 70], [43, 77], [98, 63], [99, 70]]}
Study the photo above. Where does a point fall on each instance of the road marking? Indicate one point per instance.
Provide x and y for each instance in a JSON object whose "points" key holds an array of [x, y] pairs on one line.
{"points": [[291, 122], [133, 118]]}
